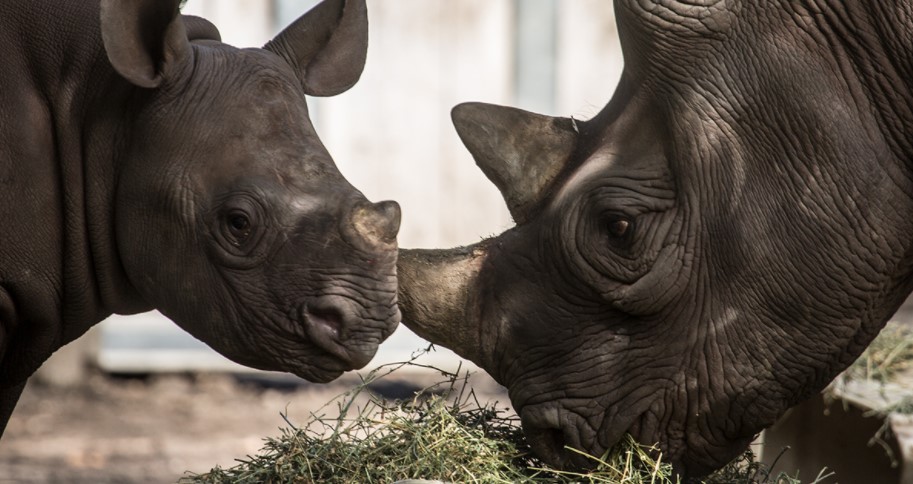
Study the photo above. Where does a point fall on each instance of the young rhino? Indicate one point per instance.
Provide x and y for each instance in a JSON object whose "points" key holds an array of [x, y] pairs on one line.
{"points": [[144, 164]]}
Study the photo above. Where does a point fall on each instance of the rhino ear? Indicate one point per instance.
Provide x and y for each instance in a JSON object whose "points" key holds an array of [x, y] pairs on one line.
{"points": [[145, 39], [519, 151], [327, 46], [199, 28]]}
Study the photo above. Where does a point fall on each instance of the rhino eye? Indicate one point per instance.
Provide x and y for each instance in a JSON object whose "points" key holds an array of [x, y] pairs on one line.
{"points": [[619, 227], [239, 230], [239, 225]]}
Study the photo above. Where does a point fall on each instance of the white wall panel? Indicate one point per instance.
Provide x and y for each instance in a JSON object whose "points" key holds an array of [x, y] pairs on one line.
{"points": [[589, 57], [391, 134], [242, 23]]}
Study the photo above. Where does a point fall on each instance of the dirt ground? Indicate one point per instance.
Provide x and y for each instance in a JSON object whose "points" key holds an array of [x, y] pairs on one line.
{"points": [[157, 428]]}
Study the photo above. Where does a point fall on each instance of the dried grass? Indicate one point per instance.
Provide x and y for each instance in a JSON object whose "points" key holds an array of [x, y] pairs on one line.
{"points": [[444, 433], [890, 353]]}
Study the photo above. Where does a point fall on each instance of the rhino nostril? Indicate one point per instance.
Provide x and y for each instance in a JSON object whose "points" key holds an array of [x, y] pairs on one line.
{"points": [[328, 320], [327, 323]]}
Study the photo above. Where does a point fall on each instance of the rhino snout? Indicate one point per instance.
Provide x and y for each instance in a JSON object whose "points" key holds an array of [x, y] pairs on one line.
{"points": [[552, 432], [327, 323], [375, 224]]}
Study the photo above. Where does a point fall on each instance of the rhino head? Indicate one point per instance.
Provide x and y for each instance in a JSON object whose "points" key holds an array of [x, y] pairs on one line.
{"points": [[231, 217], [714, 246]]}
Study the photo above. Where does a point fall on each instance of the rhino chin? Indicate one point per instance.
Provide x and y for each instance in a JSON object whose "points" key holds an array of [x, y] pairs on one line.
{"points": [[314, 365], [318, 375], [551, 442]]}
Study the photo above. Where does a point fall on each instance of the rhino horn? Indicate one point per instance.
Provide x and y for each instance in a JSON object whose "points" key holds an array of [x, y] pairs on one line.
{"points": [[436, 288], [377, 223], [520, 152]]}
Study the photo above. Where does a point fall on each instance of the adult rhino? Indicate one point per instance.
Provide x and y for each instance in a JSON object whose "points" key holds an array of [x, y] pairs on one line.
{"points": [[145, 164], [713, 247]]}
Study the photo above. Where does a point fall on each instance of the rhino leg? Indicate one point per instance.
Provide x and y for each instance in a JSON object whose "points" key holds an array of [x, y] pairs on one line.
{"points": [[10, 395], [8, 399]]}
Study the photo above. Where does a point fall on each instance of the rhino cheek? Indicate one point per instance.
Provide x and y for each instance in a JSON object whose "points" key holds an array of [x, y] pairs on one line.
{"points": [[166, 262]]}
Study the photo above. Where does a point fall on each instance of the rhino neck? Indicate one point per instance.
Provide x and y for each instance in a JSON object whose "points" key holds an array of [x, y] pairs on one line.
{"points": [[436, 290], [105, 141], [90, 110], [880, 57]]}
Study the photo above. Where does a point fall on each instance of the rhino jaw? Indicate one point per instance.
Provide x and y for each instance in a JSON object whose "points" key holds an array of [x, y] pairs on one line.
{"points": [[435, 291]]}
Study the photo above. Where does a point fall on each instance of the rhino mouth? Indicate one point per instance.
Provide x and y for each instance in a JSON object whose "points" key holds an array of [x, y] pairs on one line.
{"points": [[334, 325], [552, 433], [325, 327]]}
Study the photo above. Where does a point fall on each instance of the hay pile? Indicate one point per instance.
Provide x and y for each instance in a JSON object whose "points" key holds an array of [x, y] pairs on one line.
{"points": [[444, 434], [888, 364], [890, 353]]}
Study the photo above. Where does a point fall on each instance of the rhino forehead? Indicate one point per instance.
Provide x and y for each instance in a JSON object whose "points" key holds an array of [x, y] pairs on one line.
{"points": [[597, 164], [263, 131], [227, 78], [693, 17]]}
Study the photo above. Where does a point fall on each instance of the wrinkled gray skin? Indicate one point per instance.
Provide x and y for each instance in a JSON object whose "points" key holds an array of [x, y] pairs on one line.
{"points": [[144, 164], [712, 248]]}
